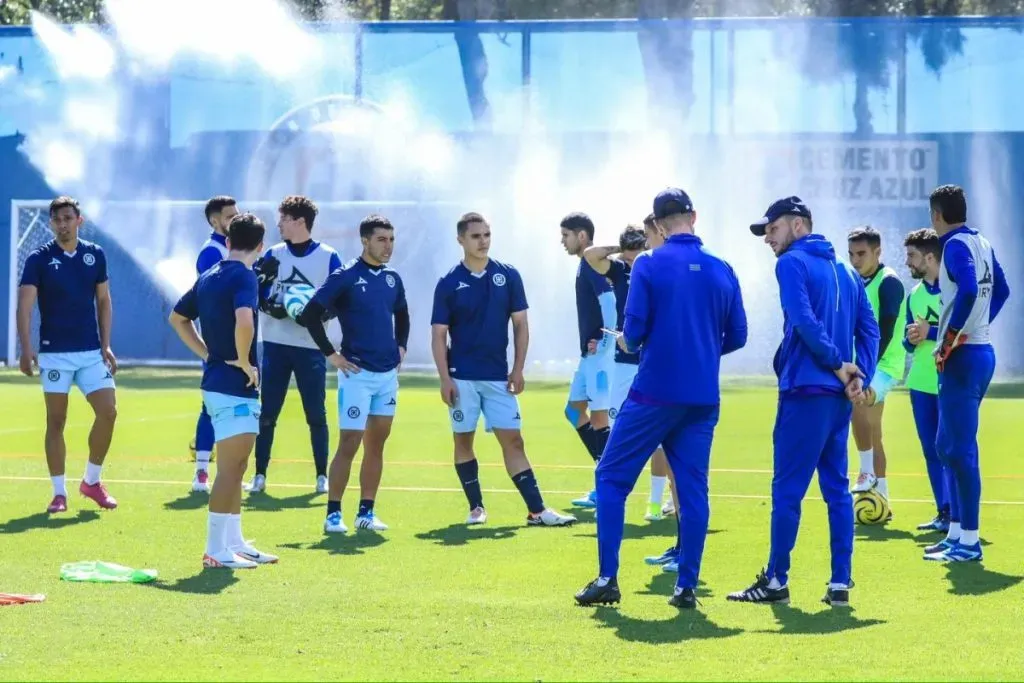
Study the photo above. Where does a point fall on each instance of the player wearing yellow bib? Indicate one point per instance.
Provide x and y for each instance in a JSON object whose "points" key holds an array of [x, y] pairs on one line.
{"points": [[923, 306], [885, 293]]}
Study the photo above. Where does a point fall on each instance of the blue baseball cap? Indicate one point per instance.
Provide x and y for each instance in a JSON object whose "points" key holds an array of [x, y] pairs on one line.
{"points": [[790, 206], [672, 200]]}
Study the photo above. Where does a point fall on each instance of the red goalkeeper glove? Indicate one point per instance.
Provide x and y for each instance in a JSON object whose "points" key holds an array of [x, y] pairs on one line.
{"points": [[950, 341]]}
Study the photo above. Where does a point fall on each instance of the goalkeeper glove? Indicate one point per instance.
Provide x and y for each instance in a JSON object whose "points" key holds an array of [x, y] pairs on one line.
{"points": [[950, 341], [274, 308], [266, 268]]}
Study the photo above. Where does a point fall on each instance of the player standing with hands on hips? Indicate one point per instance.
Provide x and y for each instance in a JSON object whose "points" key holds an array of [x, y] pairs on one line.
{"points": [[68, 276], [684, 312], [826, 317], [973, 290]]}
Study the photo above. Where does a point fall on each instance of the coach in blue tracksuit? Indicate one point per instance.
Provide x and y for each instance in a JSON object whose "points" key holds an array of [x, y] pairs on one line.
{"points": [[827, 318], [685, 311]]}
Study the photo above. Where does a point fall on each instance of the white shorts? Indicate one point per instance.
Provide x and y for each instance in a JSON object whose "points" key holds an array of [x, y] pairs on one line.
{"points": [[232, 415], [499, 407], [366, 393], [85, 369], [592, 381], [622, 379], [882, 383]]}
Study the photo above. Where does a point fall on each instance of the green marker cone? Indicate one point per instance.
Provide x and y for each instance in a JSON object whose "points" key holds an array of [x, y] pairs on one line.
{"points": [[105, 572]]}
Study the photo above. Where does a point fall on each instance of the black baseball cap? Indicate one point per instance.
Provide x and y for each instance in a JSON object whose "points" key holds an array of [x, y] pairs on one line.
{"points": [[790, 206], [672, 200]]}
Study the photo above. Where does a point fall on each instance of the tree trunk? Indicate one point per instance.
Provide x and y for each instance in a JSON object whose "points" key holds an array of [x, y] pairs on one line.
{"points": [[472, 55], [384, 10], [667, 57]]}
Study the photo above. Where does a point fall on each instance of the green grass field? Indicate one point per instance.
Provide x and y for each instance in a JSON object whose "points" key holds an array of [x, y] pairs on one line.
{"points": [[431, 599]]}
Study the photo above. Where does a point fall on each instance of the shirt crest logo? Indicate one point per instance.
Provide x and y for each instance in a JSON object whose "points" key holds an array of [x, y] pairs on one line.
{"points": [[89, 260], [390, 279], [55, 262], [498, 280]]}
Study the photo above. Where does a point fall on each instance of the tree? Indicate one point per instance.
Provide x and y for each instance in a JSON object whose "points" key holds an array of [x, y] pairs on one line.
{"points": [[18, 11]]}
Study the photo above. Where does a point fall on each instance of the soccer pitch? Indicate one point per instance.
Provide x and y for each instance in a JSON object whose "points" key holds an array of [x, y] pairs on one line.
{"points": [[433, 599]]}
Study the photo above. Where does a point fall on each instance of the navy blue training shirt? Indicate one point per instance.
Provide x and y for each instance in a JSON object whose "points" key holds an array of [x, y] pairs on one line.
{"points": [[213, 299], [589, 286], [365, 299], [66, 287], [619, 272], [477, 307]]}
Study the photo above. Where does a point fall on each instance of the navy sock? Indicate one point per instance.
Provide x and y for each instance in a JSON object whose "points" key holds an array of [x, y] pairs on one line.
{"points": [[333, 506], [365, 507], [528, 489], [586, 434], [600, 440], [469, 478]]}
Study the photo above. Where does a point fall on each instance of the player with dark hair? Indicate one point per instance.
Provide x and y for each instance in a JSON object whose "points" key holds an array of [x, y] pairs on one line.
{"points": [[473, 305], [297, 261], [224, 299], [219, 211], [590, 392], [922, 319], [68, 277], [885, 294], [973, 290], [368, 298]]}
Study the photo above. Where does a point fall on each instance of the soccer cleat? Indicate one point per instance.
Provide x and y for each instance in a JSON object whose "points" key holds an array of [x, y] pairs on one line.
{"points": [[247, 552], [595, 594], [671, 567], [940, 547], [669, 508], [587, 501], [370, 522], [837, 595], [58, 504], [666, 557], [321, 484], [958, 552], [227, 560], [334, 524], [684, 598], [477, 516], [654, 513], [761, 592], [258, 485], [98, 493], [939, 523], [865, 482], [201, 482], [550, 518]]}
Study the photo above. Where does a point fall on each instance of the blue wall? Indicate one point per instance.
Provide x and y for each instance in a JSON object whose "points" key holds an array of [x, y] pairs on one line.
{"points": [[861, 115]]}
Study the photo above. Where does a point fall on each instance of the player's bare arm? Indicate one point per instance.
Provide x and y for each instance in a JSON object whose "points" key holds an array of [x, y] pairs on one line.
{"points": [[26, 300], [245, 331], [598, 257], [186, 331], [105, 317], [439, 349], [521, 342]]}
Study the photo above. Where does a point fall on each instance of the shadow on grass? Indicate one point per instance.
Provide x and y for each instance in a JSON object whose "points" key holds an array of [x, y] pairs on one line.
{"points": [[664, 530], [209, 581], [460, 534], [971, 578], [879, 532], [794, 621], [679, 626], [189, 501], [44, 520], [342, 544], [266, 503]]}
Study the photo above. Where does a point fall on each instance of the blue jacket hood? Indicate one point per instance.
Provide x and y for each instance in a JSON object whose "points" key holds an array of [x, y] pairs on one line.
{"points": [[815, 245]]}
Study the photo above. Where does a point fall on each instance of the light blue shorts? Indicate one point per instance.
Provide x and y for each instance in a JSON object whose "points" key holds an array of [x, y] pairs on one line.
{"points": [[232, 415], [622, 379], [882, 383], [366, 393], [499, 408], [592, 381], [85, 369]]}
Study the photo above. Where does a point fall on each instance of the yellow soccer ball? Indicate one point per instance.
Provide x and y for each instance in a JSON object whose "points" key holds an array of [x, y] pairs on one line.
{"points": [[870, 507]]}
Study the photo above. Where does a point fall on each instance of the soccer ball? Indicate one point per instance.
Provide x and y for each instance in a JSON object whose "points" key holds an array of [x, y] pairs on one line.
{"points": [[870, 507], [295, 299]]}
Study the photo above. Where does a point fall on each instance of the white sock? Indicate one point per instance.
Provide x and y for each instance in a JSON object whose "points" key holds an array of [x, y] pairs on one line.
{"points": [[92, 473], [867, 461], [234, 531], [202, 460], [883, 487], [969, 537], [216, 530], [602, 581], [59, 489], [658, 488], [774, 584], [954, 532]]}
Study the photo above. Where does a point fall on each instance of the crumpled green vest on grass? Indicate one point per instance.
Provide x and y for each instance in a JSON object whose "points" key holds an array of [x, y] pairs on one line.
{"points": [[105, 572]]}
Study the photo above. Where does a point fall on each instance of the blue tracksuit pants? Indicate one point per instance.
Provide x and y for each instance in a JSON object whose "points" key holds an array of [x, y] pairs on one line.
{"points": [[204, 431], [962, 385], [686, 433], [276, 368], [926, 416], [811, 433]]}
